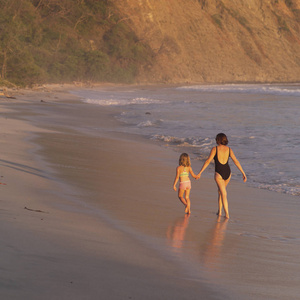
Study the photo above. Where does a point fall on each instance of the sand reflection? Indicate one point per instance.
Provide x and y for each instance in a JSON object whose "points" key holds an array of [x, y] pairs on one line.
{"points": [[213, 250], [176, 232]]}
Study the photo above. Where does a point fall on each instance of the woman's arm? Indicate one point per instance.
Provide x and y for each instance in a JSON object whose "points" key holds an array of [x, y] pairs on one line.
{"points": [[207, 162], [237, 163], [176, 179]]}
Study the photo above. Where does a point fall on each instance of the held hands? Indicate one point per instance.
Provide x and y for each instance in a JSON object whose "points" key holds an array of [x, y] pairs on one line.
{"points": [[198, 176]]}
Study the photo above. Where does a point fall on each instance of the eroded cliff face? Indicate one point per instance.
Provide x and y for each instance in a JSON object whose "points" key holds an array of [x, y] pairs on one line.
{"points": [[217, 41]]}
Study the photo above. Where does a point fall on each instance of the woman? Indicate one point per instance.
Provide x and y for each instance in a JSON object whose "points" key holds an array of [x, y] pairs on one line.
{"points": [[221, 154]]}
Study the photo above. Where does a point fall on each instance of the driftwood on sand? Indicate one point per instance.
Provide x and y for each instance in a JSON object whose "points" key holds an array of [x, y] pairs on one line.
{"points": [[36, 210]]}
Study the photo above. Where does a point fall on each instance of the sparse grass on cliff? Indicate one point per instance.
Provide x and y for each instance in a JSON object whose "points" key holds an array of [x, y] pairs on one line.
{"points": [[218, 20]]}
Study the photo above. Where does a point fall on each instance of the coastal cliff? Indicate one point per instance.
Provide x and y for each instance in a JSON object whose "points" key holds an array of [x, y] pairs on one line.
{"points": [[217, 41], [149, 41]]}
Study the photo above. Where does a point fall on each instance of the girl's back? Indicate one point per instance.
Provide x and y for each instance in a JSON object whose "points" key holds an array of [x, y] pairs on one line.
{"points": [[184, 173]]}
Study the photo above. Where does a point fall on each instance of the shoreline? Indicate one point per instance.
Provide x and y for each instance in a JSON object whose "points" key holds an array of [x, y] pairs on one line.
{"points": [[93, 219], [63, 87]]}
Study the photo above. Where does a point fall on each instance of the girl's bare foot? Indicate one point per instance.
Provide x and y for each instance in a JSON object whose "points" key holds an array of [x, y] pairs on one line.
{"points": [[188, 209]]}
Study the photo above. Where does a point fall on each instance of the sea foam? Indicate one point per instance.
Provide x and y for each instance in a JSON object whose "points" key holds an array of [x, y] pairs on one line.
{"points": [[288, 90]]}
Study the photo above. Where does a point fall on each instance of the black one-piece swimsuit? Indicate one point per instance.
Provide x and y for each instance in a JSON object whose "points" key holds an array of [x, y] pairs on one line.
{"points": [[223, 170]]}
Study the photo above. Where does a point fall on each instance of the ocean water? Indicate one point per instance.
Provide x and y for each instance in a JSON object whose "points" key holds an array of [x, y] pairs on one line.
{"points": [[261, 122]]}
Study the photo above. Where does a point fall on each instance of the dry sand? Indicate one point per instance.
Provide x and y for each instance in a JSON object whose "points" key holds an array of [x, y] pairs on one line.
{"points": [[102, 221]]}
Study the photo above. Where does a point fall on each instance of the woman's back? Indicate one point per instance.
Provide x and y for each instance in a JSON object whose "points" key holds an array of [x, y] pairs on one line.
{"points": [[222, 153]]}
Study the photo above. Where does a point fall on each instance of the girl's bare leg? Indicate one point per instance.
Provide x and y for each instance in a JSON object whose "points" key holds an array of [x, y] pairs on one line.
{"points": [[188, 202], [222, 184], [181, 197]]}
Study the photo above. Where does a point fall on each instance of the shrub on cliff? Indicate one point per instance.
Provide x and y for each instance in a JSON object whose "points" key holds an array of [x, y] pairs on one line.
{"points": [[64, 41]]}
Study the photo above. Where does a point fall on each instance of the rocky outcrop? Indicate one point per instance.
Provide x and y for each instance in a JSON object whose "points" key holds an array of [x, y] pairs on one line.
{"points": [[217, 41]]}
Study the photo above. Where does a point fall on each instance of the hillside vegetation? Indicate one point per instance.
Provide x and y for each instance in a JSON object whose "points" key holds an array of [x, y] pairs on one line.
{"points": [[67, 40], [169, 41]]}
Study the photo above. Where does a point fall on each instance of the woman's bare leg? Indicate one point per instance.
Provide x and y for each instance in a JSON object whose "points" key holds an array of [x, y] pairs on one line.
{"points": [[220, 205], [222, 184]]}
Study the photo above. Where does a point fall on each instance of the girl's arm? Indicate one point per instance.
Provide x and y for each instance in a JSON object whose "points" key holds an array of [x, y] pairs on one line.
{"points": [[237, 163], [192, 173], [210, 158], [176, 179]]}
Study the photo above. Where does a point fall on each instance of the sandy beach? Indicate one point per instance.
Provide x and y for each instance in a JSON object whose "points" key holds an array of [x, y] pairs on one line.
{"points": [[94, 216]]}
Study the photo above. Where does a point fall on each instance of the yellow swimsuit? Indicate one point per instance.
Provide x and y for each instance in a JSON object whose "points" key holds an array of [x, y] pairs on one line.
{"points": [[184, 185]]}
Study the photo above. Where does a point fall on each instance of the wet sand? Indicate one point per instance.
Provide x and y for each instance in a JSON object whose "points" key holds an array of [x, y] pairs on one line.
{"points": [[102, 221]]}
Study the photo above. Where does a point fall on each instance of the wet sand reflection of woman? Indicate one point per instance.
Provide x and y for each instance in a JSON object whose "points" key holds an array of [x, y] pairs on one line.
{"points": [[213, 250]]}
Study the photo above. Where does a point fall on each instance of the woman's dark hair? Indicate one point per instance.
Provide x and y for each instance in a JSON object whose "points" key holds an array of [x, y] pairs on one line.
{"points": [[221, 139]]}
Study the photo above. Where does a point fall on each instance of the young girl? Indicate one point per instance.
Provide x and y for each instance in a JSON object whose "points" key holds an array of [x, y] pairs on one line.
{"points": [[182, 173]]}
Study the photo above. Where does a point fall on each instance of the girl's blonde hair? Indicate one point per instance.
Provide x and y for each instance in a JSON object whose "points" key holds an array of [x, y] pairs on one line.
{"points": [[184, 160]]}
